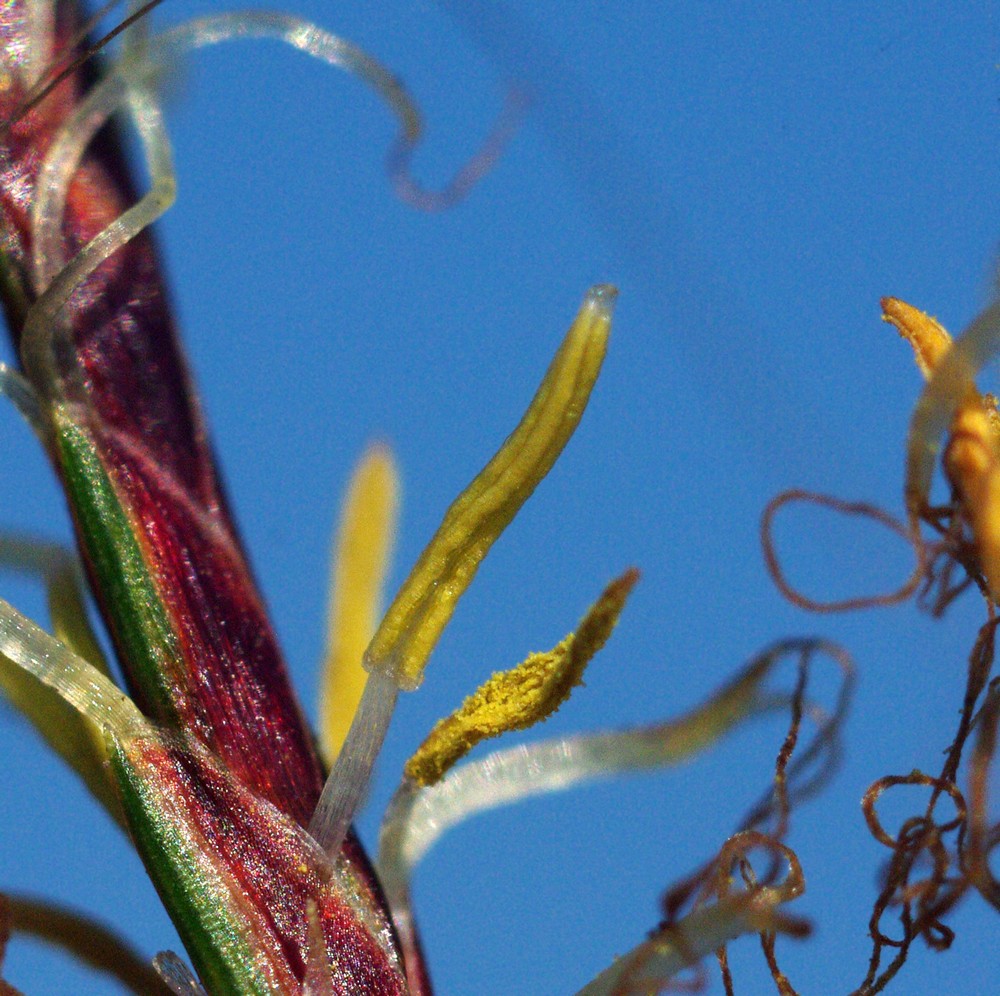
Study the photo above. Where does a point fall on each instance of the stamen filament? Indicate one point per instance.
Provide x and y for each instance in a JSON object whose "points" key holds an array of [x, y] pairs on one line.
{"points": [[399, 651], [348, 779], [77, 682], [41, 328], [18, 390]]}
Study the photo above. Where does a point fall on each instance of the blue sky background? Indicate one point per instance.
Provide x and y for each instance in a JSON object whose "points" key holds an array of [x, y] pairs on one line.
{"points": [[753, 177]]}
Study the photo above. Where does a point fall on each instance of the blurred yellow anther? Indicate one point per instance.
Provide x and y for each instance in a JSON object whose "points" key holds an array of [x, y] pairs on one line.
{"points": [[524, 695], [972, 456], [63, 577], [360, 563], [428, 597], [69, 616], [79, 740], [929, 340]]}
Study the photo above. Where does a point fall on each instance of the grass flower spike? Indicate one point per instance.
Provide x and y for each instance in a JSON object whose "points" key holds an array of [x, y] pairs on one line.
{"points": [[185, 726], [216, 777]]}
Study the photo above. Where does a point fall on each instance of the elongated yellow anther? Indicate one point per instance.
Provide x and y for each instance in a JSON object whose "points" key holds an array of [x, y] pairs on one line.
{"points": [[524, 695], [972, 456], [360, 564], [929, 340], [427, 599]]}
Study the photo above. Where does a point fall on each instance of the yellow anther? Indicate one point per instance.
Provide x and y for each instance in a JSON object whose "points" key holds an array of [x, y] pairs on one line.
{"points": [[69, 616], [79, 740], [524, 695], [929, 340], [427, 599], [972, 463], [360, 563], [63, 578], [972, 456]]}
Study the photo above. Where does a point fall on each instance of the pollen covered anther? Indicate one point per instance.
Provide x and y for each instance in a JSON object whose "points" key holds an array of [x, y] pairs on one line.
{"points": [[524, 695]]}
